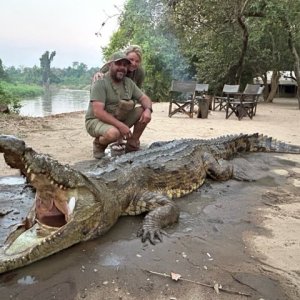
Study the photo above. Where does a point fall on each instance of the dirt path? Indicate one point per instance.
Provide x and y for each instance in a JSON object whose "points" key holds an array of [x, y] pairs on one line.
{"points": [[243, 236]]}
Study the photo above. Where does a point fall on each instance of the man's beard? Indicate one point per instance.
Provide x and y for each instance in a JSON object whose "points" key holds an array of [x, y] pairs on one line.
{"points": [[118, 76]]}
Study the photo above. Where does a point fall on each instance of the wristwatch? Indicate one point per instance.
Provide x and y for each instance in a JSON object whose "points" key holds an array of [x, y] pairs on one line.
{"points": [[150, 108]]}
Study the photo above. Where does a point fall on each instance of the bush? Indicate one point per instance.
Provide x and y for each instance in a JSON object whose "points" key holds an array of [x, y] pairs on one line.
{"points": [[10, 94], [22, 90]]}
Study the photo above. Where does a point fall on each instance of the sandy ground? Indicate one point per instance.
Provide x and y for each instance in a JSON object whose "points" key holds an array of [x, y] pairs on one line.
{"points": [[280, 120], [63, 137]]}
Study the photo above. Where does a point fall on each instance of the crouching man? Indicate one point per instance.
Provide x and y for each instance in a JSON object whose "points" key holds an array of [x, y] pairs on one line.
{"points": [[112, 109]]}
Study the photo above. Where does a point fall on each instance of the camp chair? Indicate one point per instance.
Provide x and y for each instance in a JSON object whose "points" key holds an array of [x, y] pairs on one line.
{"points": [[259, 93], [228, 90], [182, 96], [243, 104]]}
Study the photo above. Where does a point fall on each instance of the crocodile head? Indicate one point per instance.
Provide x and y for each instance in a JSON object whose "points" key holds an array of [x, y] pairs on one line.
{"points": [[67, 209]]}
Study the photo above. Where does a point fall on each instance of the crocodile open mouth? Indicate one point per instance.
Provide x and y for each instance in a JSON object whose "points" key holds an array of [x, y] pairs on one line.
{"points": [[67, 206], [54, 204], [53, 208]]}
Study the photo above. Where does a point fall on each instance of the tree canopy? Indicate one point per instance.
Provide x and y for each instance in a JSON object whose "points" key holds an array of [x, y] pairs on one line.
{"points": [[218, 42]]}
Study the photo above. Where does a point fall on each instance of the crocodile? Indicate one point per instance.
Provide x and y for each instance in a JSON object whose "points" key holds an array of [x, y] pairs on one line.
{"points": [[72, 206]]}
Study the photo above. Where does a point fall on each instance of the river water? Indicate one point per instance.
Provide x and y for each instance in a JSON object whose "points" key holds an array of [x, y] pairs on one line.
{"points": [[55, 102]]}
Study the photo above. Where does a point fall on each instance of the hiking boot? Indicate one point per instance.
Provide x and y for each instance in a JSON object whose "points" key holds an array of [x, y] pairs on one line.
{"points": [[98, 149]]}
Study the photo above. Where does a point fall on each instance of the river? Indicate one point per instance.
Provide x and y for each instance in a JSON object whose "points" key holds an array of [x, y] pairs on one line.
{"points": [[55, 102]]}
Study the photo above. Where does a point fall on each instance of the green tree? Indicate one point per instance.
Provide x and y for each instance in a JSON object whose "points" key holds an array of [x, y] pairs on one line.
{"points": [[287, 13], [230, 41], [5, 98], [3, 74], [143, 23], [219, 35], [243, 38]]}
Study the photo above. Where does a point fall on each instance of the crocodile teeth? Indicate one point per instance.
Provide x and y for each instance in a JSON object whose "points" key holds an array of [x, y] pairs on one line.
{"points": [[71, 204]]}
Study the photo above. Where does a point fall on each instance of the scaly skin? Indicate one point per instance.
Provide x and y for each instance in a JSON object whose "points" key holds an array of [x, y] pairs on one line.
{"points": [[71, 207]]}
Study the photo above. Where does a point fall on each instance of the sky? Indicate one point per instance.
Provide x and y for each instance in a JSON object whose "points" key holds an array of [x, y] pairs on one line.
{"points": [[28, 28]]}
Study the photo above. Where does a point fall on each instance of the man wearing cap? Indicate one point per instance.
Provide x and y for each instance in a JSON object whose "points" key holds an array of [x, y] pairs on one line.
{"points": [[112, 111]]}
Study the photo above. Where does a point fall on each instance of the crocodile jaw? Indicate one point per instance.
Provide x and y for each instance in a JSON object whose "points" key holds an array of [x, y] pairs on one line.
{"points": [[60, 218], [68, 207]]}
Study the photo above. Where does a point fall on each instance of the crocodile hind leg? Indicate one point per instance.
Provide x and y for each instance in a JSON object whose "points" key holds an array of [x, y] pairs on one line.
{"points": [[215, 170], [161, 210]]}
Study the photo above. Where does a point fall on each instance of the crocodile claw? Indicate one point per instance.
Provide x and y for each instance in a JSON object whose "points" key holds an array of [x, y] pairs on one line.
{"points": [[153, 235]]}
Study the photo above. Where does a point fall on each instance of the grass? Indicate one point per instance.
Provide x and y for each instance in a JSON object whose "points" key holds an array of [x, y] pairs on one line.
{"points": [[21, 90]]}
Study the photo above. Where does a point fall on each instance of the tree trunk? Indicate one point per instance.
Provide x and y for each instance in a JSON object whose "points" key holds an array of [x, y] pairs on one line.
{"points": [[266, 89], [236, 70], [274, 86], [296, 58], [45, 62], [297, 72], [244, 48]]}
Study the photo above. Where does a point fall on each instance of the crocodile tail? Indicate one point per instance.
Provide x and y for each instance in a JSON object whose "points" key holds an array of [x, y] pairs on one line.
{"points": [[264, 143]]}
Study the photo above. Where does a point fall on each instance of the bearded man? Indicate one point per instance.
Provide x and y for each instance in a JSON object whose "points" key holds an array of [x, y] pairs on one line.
{"points": [[112, 109]]}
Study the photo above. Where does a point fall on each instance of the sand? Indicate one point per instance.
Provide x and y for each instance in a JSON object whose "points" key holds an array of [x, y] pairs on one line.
{"points": [[65, 139]]}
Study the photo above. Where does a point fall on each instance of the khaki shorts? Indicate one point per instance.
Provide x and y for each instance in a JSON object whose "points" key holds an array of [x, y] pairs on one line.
{"points": [[96, 128]]}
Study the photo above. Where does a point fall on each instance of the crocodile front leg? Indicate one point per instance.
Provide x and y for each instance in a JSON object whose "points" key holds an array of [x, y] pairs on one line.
{"points": [[162, 212]]}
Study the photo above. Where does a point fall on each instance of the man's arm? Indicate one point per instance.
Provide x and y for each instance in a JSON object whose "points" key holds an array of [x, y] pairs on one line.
{"points": [[146, 102], [147, 106]]}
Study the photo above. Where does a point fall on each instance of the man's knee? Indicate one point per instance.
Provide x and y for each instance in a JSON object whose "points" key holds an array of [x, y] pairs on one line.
{"points": [[112, 134]]}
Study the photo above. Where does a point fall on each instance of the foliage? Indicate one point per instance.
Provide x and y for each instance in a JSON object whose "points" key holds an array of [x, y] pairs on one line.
{"points": [[240, 39], [7, 99], [21, 90], [143, 23], [218, 41], [77, 76], [24, 75], [287, 19], [3, 75]]}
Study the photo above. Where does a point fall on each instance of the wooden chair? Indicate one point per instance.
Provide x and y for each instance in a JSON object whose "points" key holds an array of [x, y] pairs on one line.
{"points": [[228, 90], [243, 104], [259, 93], [182, 97]]}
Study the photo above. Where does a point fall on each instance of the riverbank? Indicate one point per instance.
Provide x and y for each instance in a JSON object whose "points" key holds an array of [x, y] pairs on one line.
{"points": [[271, 243]]}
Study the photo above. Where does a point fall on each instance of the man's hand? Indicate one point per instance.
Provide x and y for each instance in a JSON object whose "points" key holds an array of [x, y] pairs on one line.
{"points": [[97, 76], [125, 131]]}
